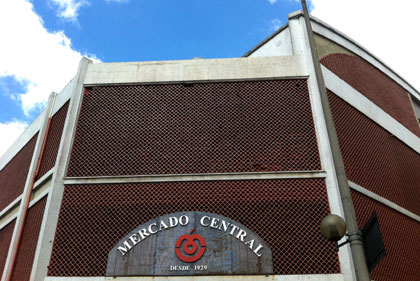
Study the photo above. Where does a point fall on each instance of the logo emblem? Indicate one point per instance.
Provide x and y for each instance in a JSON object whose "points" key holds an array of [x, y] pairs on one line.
{"points": [[190, 247]]}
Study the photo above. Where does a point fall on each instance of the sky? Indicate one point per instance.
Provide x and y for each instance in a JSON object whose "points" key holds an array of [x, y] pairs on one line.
{"points": [[42, 41]]}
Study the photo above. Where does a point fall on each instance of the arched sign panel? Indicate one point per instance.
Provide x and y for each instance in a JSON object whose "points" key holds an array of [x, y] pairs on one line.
{"points": [[190, 243]]}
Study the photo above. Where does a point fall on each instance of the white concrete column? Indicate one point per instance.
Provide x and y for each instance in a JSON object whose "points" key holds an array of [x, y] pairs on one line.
{"points": [[21, 215], [52, 208], [300, 44]]}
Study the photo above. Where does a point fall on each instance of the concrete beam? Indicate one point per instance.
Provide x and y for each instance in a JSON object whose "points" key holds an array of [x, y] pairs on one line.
{"points": [[194, 70]]}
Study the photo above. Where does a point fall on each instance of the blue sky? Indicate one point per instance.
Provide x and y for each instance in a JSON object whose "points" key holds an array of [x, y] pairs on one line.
{"points": [[45, 39]]}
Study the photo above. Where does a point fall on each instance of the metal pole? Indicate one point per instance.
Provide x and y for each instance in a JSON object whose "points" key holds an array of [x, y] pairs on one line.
{"points": [[356, 241]]}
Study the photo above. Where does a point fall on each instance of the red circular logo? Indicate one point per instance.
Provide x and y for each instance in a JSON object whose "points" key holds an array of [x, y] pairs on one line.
{"points": [[190, 247]]}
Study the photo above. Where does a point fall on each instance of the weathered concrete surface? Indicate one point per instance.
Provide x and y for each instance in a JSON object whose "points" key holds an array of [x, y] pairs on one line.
{"points": [[195, 70], [162, 250]]}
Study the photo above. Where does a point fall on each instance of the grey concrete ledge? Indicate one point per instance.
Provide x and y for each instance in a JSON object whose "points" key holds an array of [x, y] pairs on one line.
{"points": [[195, 70], [196, 177], [384, 201], [369, 109], [314, 277]]}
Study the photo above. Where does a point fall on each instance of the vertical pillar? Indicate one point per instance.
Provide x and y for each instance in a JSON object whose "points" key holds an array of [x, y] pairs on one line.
{"points": [[356, 244], [52, 208], [27, 192], [300, 44]]}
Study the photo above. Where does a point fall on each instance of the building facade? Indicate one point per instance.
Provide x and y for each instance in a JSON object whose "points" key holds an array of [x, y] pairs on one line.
{"points": [[241, 139]]}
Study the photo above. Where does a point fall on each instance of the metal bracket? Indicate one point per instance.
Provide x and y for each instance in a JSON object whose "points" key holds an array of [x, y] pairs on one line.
{"points": [[353, 236]]}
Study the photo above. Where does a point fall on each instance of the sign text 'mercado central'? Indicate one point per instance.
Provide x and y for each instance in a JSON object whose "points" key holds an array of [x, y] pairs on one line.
{"points": [[183, 220]]}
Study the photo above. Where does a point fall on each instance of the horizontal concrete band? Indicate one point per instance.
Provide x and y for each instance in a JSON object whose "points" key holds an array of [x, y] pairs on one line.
{"points": [[384, 201], [314, 277], [196, 177], [12, 213], [40, 189], [369, 109], [195, 70], [16, 202]]}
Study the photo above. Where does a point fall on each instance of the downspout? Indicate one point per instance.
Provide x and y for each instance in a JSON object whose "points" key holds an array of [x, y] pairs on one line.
{"points": [[354, 233], [32, 184]]}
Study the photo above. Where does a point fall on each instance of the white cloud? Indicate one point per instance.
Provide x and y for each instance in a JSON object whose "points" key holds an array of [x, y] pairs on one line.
{"points": [[388, 29], [68, 9], [275, 24], [43, 61], [9, 133], [272, 1]]}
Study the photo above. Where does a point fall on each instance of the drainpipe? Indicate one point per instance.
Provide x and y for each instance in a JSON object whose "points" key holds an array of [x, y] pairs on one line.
{"points": [[29, 186], [354, 233]]}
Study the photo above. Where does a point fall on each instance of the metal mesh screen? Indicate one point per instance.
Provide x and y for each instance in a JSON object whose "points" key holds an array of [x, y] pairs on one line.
{"points": [[27, 247], [375, 159], [5, 238], [376, 86], [13, 175], [284, 213], [195, 128], [53, 140], [401, 236]]}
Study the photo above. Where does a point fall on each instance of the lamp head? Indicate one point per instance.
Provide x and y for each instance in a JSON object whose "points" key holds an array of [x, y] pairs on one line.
{"points": [[333, 227]]}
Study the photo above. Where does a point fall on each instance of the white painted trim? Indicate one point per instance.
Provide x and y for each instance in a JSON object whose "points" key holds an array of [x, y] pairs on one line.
{"points": [[194, 70], [9, 220], [384, 201], [371, 110], [63, 96], [12, 205], [301, 45], [39, 197], [334, 35], [196, 177], [44, 178], [312, 277]]}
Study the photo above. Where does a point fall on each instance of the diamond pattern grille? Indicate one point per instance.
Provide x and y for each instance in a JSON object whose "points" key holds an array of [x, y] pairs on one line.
{"points": [[284, 213], [53, 140], [25, 256], [375, 159], [401, 236], [13, 175], [376, 86], [5, 238], [195, 128]]}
